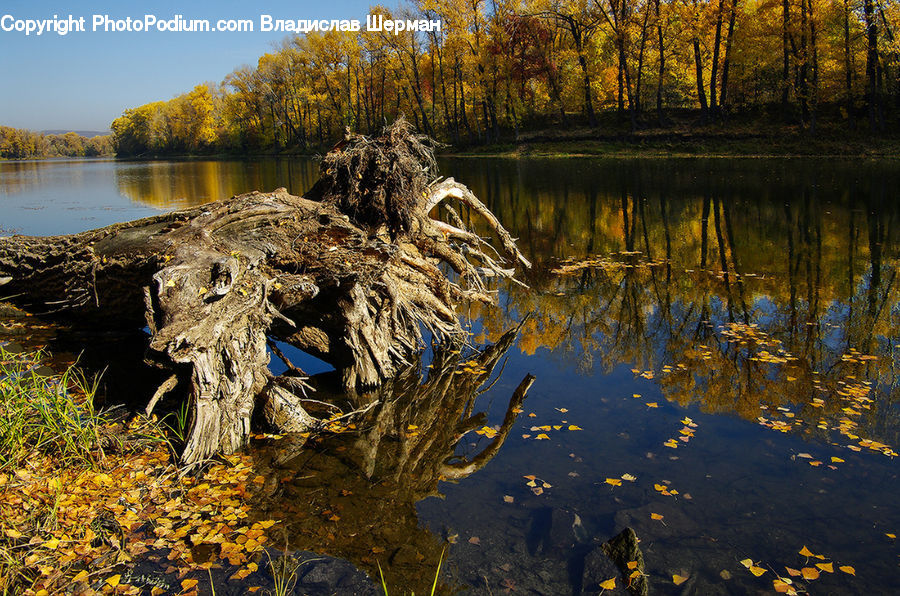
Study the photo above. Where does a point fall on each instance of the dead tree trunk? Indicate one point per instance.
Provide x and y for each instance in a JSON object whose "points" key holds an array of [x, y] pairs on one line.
{"points": [[352, 278]]}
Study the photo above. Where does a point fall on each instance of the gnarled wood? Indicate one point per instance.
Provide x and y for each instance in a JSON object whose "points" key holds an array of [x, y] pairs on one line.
{"points": [[214, 283]]}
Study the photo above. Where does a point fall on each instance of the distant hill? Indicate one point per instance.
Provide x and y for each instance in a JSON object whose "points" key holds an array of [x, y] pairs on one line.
{"points": [[84, 133]]}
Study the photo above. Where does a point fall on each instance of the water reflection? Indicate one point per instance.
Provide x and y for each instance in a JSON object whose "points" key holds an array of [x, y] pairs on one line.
{"points": [[355, 495], [740, 303], [175, 185], [761, 291]]}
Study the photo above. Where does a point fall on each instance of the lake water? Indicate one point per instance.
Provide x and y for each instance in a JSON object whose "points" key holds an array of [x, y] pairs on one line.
{"points": [[714, 342]]}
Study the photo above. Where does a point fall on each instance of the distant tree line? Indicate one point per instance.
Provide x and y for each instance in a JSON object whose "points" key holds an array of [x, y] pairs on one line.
{"points": [[498, 67], [18, 143]]}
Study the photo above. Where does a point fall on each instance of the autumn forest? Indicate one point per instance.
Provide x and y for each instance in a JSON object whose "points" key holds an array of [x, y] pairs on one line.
{"points": [[500, 67]]}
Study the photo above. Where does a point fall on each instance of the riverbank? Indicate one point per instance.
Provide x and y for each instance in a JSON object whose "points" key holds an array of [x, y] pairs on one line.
{"points": [[689, 141], [93, 502]]}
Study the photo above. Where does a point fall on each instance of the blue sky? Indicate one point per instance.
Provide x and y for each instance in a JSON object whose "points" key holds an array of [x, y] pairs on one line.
{"points": [[82, 81]]}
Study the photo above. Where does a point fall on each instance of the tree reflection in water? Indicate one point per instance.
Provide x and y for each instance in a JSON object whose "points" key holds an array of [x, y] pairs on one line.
{"points": [[741, 304], [353, 495]]}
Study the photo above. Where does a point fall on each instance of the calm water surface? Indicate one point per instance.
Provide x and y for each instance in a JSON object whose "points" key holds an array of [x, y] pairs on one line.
{"points": [[722, 334]]}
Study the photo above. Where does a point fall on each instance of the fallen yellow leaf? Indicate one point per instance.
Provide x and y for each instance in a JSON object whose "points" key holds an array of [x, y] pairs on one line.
{"points": [[575, 427], [827, 567], [609, 584], [82, 575], [757, 571], [187, 584], [848, 569], [114, 580], [678, 579], [748, 563], [806, 552], [782, 587], [810, 573], [656, 516], [542, 437], [632, 564], [614, 481]]}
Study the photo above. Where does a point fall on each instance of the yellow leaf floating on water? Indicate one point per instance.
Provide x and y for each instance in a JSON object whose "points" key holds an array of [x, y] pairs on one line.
{"points": [[889, 535], [187, 584], [609, 584], [614, 481], [806, 552], [836, 460], [114, 580], [629, 477], [810, 573], [827, 567], [757, 571], [848, 569], [748, 563], [792, 571], [575, 427], [542, 437], [632, 564], [678, 579], [783, 587], [652, 404], [656, 516]]}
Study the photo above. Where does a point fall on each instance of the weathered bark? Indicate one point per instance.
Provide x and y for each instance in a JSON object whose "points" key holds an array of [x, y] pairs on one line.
{"points": [[214, 284]]}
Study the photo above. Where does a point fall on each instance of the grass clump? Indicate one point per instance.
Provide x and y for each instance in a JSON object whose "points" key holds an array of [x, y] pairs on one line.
{"points": [[46, 413], [434, 584]]}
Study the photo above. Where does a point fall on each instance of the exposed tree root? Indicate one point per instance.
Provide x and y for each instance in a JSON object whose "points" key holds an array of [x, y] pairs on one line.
{"points": [[351, 279]]}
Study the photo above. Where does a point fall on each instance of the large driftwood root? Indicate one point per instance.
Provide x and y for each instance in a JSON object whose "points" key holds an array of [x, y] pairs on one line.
{"points": [[216, 283]]}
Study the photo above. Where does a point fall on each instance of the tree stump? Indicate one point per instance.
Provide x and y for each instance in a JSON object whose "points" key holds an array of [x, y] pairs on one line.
{"points": [[352, 277]]}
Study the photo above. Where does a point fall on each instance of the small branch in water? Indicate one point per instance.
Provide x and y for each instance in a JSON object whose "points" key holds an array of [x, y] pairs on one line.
{"points": [[285, 359]]}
